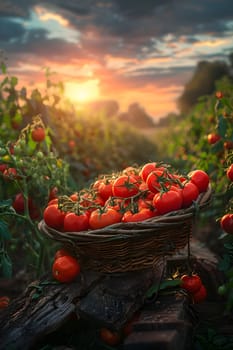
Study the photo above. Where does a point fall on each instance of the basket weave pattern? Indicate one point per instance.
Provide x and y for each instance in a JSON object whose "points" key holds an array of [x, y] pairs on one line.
{"points": [[132, 246]]}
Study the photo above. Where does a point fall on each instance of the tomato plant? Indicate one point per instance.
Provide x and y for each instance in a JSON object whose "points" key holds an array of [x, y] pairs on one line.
{"points": [[65, 269]]}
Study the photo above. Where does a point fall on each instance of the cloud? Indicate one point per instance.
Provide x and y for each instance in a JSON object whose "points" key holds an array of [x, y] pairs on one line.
{"points": [[130, 45]]}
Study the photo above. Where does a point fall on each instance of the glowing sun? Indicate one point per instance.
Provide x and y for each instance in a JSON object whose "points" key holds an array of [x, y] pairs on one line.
{"points": [[82, 92]]}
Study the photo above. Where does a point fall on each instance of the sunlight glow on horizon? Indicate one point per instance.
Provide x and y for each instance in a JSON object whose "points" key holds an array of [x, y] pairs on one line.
{"points": [[82, 92]]}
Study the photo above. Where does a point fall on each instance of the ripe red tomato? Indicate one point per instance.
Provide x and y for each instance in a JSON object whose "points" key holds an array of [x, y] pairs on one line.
{"points": [[3, 167], [53, 193], [109, 337], [38, 134], [200, 295], [213, 138], [200, 178], [61, 252], [147, 169], [141, 215], [143, 187], [132, 171], [125, 186], [53, 216], [167, 201], [226, 223], [219, 94], [10, 174], [18, 203], [65, 269], [99, 219], [4, 302], [228, 145], [75, 223], [190, 193], [191, 283], [155, 179], [105, 189], [230, 172]]}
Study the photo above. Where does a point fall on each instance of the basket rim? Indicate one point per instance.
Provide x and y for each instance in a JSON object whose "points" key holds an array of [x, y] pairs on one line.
{"points": [[129, 229]]}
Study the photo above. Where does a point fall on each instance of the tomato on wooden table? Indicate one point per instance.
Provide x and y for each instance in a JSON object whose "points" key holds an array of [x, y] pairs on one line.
{"points": [[125, 186], [191, 283], [65, 269], [100, 218], [110, 337], [200, 295]]}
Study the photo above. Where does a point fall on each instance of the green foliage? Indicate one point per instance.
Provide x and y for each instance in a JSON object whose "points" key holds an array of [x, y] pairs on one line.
{"points": [[202, 83]]}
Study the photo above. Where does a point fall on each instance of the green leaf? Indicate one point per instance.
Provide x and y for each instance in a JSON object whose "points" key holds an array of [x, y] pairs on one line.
{"points": [[225, 263], [14, 81], [163, 285], [6, 265], [222, 126], [4, 231], [3, 68]]}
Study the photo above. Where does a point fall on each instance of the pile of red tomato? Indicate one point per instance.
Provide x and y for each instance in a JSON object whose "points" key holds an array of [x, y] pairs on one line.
{"points": [[135, 194]]}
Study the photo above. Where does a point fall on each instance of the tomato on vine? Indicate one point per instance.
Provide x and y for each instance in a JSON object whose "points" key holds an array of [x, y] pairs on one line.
{"points": [[65, 269], [166, 202], [53, 216], [38, 134], [76, 222], [230, 172], [200, 295], [100, 218], [191, 283], [190, 193], [148, 168], [213, 138], [125, 186], [226, 223], [141, 215], [200, 178], [104, 189]]}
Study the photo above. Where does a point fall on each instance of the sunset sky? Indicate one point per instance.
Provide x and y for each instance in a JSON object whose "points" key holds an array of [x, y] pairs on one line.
{"points": [[125, 50]]}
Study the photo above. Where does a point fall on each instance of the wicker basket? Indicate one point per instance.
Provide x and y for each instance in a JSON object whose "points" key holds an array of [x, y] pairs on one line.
{"points": [[132, 246]]}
